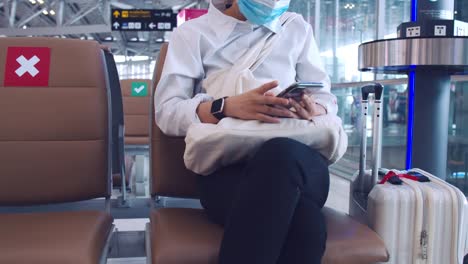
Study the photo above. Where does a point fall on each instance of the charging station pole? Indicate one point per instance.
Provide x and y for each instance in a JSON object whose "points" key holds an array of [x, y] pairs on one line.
{"points": [[431, 121], [431, 112]]}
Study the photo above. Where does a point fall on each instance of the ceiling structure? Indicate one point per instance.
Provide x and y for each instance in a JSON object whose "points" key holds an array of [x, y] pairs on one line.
{"points": [[84, 19]]}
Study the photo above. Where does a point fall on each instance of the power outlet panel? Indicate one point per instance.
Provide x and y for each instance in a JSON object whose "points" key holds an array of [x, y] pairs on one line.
{"points": [[440, 30], [412, 32], [433, 28]]}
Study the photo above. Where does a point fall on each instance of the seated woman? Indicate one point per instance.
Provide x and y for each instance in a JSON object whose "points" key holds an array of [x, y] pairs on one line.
{"points": [[269, 206]]}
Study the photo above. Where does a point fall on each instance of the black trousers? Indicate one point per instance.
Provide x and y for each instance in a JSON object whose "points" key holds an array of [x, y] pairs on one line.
{"points": [[270, 206]]}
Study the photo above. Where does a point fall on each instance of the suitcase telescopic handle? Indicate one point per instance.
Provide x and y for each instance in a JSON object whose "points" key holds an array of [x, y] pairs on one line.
{"points": [[377, 90]]}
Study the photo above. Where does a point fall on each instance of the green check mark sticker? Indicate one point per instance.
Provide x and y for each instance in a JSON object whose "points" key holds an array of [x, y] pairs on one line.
{"points": [[139, 89]]}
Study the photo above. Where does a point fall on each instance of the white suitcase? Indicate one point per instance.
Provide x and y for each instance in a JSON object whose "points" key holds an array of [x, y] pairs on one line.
{"points": [[420, 222]]}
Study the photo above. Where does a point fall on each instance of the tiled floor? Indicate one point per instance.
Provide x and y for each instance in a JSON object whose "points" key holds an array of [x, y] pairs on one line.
{"points": [[123, 225], [338, 197]]}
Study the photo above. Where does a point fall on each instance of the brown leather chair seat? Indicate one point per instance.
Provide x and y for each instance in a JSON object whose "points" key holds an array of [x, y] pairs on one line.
{"points": [[187, 236], [62, 237], [180, 235]]}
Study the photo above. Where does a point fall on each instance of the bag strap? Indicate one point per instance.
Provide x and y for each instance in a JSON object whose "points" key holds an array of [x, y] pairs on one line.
{"points": [[257, 54], [270, 39]]}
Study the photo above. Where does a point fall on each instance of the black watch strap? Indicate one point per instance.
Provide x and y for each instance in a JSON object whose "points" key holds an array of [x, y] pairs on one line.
{"points": [[217, 108]]}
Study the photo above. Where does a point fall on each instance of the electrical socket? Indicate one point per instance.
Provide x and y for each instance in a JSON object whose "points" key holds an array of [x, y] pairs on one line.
{"points": [[440, 30], [461, 29], [461, 32], [413, 32]]}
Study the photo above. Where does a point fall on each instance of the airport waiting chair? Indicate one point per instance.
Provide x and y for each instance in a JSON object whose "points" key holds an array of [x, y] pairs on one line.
{"points": [[185, 236], [55, 147], [136, 102]]}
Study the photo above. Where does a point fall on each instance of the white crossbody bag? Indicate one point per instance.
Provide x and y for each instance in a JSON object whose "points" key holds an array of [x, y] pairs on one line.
{"points": [[209, 147]]}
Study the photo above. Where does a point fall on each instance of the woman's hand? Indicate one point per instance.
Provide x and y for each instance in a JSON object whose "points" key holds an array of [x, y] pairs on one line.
{"points": [[306, 108], [258, 104]]}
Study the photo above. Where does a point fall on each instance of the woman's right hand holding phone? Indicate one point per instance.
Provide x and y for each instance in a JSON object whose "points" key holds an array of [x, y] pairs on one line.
{"points": [[258, 105], [306, 108]]}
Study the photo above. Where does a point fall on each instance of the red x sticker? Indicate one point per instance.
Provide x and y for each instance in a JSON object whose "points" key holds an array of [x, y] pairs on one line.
{"points": [[27, 66]]}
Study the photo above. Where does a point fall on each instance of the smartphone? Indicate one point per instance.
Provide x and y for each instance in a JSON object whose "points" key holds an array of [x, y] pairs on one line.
{"points": [[296, 90]]}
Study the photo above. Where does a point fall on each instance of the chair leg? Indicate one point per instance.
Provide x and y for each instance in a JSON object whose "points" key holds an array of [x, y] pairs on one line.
{"points": [[148, 243]]}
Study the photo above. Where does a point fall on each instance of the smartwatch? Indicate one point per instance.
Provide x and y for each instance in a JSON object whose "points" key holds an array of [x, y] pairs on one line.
{"points": [[217, 108]]}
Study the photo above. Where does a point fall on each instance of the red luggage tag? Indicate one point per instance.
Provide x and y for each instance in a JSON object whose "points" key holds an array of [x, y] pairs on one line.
{"points": [[391, 177], [387, 177]]}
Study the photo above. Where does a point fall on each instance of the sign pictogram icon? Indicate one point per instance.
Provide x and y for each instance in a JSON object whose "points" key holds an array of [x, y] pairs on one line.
{"points": [[27, 66], [139, 89]]}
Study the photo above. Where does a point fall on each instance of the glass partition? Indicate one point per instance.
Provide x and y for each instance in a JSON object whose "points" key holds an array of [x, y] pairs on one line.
{"points": [[394, 126], [396, 12], [340, 26], [136, 69], [457, 155]]}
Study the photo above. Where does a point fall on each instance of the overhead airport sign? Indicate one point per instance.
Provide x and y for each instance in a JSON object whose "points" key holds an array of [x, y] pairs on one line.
{"points": [[27, 66], [143, 20]]}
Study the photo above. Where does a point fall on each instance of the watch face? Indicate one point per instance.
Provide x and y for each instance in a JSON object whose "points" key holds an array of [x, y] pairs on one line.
{"points": [[217, 108], [217, 105]]}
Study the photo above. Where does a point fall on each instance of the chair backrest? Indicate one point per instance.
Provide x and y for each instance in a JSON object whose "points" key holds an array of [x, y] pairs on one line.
{"points": [[54, 132], [136, 99], [169, 177]]}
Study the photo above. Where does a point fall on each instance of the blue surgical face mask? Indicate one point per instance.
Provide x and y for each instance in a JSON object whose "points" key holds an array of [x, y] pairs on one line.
{"points": [[261, 12]]}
